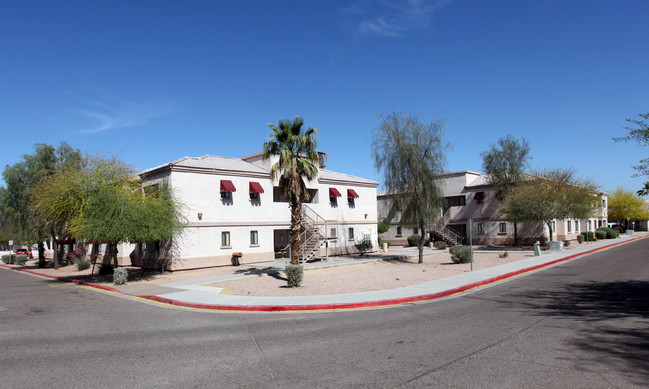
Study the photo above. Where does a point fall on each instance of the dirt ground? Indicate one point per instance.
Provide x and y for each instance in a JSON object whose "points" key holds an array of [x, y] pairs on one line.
{"points": [[379, 275]]}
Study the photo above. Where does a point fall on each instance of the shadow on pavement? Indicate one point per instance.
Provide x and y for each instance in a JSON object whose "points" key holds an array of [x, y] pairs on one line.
{"points": [[616, 315]]}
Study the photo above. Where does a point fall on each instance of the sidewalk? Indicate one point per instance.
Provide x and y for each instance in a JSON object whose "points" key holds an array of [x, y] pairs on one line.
{"points": [[193, 293]]}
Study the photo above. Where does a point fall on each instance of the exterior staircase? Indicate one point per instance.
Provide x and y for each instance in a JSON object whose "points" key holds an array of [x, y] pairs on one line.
{"points": [[440, 229], [313, 233]]}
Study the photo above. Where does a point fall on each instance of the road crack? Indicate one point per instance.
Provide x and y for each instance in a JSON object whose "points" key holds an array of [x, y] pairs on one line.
{"points": [[261, 354], [475, 353]]}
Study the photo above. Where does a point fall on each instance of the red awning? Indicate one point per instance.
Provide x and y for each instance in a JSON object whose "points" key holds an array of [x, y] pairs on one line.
{"points": [[255, 187], [351, 193], [333, 192], [227, 186], [479, 195]]}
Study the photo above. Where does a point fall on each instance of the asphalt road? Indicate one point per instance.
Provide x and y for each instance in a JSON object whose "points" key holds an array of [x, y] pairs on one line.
{"points": [[583, 324]]}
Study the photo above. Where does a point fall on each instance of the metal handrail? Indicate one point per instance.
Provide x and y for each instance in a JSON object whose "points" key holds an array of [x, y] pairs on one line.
{"points": [[311, 223]]}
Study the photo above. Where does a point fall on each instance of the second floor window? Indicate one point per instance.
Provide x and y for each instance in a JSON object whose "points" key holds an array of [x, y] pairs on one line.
{"points": [[502, 228]]}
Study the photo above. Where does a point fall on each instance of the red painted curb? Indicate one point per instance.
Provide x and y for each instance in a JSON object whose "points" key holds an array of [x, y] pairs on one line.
{"points": [[332, 306]]}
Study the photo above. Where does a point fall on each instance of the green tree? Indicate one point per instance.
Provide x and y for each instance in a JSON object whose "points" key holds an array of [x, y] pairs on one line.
{"points": [[410, 155], [548, 195], [101, 200], [299, 159], [505, 164], [21, 179], [383, 226], [624, 204], [639, 132]]}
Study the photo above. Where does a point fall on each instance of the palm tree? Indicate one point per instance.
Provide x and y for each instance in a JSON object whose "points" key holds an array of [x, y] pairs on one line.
{"points": [[298, 159]]}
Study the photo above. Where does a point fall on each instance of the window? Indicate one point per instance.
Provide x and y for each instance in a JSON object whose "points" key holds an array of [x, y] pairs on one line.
{"points": [[254, 237], [569, 226], [576, 225], [225, 239], [255, 189], [415, 231], [480, 228], [227, 187], [351, 233], [502, 228], [351, 195], [333, 196], [455, 201], [399, 231], [479, 197], [332, 233], [590, 224], [554, 226]]}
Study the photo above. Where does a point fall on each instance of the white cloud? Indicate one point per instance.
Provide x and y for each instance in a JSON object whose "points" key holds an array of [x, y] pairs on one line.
{"points": [[107, 112], [390, 18]]}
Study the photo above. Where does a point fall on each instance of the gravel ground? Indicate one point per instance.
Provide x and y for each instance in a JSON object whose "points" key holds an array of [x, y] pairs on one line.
{"points": [[380, 275]]}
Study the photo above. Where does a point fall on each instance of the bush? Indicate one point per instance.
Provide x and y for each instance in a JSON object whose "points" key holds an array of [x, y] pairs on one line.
{"points": [[600, 234], [120, 276], [83, 264], [610, 233], [413, 240], [588, 235], [580, 238], [566, 243], [460, 254], [364, 245], [294, 275], [504, 255], [20, 259], [8, 259], [440, 244]]}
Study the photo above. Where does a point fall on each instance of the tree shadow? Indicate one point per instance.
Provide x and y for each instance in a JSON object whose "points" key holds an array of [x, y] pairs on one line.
{"points": [[617, 317]]}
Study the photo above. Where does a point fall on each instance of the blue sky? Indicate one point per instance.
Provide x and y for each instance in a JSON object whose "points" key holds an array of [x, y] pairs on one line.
{"points": [[156, 81]]}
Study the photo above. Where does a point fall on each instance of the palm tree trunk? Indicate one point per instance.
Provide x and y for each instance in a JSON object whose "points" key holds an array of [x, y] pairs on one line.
{"points": [[296, 221]]}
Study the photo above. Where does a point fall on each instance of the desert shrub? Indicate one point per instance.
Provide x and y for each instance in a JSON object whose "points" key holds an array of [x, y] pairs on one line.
{"points": [[364, 245], [580, 238], [440, 244], [105, 269], [610, 233], [294, 275], [460, 254], [83, 264], [566, 243], [8, 258], [504, 255], [120, 276], [600, 234], [20, 259], [413, 240], [588, 235]]}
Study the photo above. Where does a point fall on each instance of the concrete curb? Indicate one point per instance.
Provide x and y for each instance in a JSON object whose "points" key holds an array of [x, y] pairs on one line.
{"points": [[333, 306]]}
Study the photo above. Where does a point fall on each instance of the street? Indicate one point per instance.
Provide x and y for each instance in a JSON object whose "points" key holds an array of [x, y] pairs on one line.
{"points": [[584, 323]]}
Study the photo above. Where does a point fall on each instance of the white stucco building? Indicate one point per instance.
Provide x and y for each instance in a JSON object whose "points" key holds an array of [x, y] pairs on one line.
{"points": [[467, 195], [231, 206]]}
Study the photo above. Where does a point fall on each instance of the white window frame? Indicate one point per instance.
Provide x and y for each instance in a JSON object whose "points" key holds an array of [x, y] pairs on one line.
{"points": [[254, 237]]}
